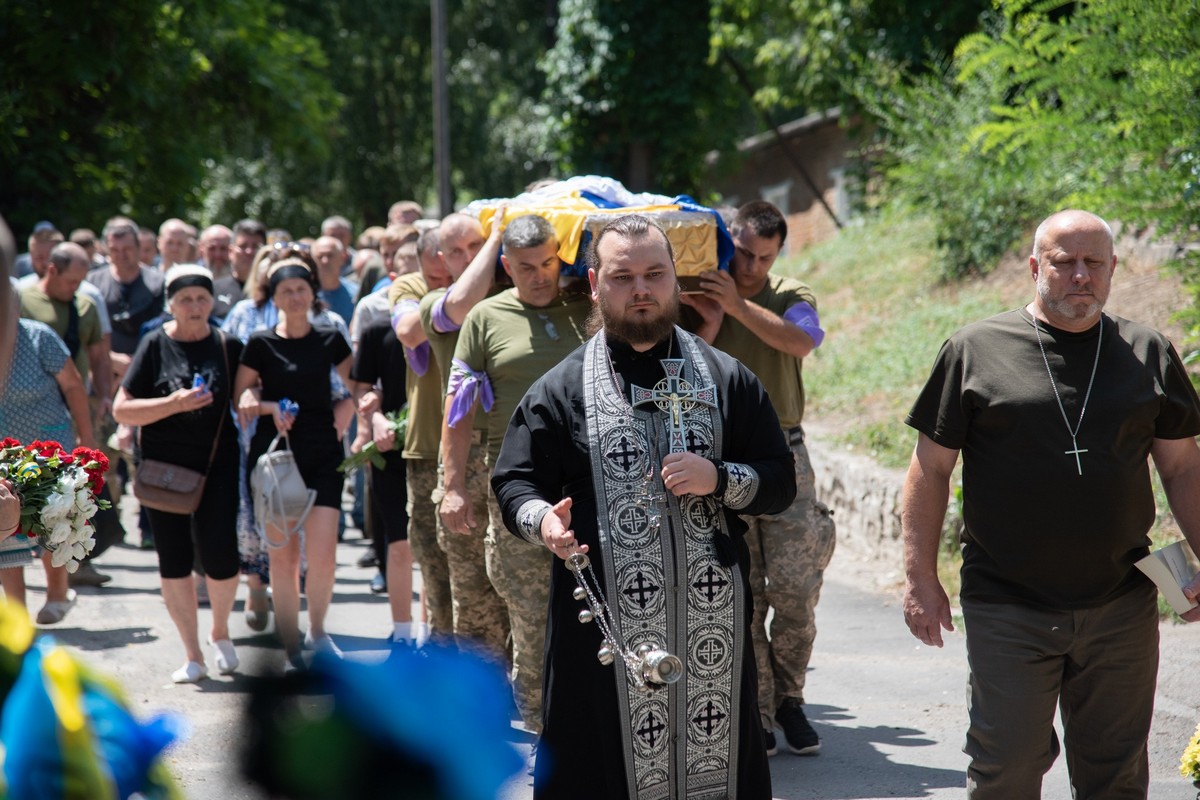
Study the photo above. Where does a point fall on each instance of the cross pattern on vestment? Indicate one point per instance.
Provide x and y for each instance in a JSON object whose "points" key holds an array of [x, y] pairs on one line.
{"points": [[641, 590], [627, 454], [710, 583], [709, 718], [711, 651], [652, 726], [676, 397], [695, 444], [632, 519]]}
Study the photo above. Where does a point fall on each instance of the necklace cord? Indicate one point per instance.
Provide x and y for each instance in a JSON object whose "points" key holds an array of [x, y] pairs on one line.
{"points": [[1091, 381]]}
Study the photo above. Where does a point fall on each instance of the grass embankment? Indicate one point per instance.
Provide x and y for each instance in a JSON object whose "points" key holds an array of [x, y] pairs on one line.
{"points": [[887, 310]]}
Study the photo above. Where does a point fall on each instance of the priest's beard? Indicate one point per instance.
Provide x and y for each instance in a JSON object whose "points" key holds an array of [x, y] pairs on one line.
{"points": [[635, 330]]}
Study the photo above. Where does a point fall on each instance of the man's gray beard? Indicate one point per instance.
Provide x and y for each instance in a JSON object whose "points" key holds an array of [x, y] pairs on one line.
{"points": [[1068, 310], [637, 332]]}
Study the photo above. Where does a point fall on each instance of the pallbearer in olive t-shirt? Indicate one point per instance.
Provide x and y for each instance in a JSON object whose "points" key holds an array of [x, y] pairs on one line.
{"points": [[770, 324], [507, 342], [480, 616], [423, 380]]}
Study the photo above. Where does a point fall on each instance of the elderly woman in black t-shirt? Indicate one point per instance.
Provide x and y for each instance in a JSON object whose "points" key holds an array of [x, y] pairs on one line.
{"points": [[292, 360], [180, 422]]}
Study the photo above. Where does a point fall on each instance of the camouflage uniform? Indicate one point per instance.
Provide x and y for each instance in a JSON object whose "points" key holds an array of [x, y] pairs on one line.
{"points": [[480, 616], [422, 538], [788, 556], [521, 574]]}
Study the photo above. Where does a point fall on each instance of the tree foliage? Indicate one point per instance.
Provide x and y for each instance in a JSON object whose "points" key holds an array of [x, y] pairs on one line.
{"points": [[1093, 104], [630, 93], [115, 108], [810, 55]]}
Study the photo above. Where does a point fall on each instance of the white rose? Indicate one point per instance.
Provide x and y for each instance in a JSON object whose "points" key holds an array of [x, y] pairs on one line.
{"points": [[60, 533], [60, 557], [58, 505], [78, 478], [84, 502]]}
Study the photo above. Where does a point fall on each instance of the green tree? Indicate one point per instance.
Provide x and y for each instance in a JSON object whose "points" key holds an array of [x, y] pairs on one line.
{"points": [[809, 55], [123, 107], [1115, 84], [631, 93], [1091, 104]]}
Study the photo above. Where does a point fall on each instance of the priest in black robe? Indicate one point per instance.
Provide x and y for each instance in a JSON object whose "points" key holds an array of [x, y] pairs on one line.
{"points": [[634, 457]]}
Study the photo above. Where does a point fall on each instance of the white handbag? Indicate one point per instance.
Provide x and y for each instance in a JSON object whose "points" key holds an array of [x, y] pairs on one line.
{"points": [[281, 498]]}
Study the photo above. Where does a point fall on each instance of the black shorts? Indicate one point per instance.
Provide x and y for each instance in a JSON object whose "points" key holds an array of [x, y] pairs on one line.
{"points": [[389, 500]]}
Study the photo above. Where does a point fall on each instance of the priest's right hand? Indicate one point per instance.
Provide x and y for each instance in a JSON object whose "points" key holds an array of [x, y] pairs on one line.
{"points": [[557, 533], [456, 512]]}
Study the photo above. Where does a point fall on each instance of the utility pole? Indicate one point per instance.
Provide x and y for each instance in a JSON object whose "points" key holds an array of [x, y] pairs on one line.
{"points": [[441, 110]]}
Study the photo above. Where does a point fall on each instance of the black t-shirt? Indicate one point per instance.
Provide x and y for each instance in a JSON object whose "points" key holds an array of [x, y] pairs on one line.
{"points": [[1036, 529], [380, 358], [298, 369], [163, 365], [226, 293], [130, 305]]}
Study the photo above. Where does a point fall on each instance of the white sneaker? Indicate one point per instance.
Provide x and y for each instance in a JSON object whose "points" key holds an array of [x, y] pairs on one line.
{"points": [[191, 672], [322, 644], [224, 656]]}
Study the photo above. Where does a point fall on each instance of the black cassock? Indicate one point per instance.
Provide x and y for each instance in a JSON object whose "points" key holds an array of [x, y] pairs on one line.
{"points": [[673, 570]]}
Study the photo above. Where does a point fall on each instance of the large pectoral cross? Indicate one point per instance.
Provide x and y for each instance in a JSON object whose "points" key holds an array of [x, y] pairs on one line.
{"points": [[676, 397]]}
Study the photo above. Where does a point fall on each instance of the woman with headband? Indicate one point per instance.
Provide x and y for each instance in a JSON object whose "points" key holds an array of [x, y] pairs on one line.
{"points": [[257, 312], [178, 389], [292, 360]]}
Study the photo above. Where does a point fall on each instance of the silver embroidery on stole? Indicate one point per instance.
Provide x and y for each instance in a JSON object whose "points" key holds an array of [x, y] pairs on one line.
{"points": [[666, 587]]}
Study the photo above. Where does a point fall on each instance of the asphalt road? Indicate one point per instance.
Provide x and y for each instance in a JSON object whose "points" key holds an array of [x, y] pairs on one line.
{"points": [[890, 712]]}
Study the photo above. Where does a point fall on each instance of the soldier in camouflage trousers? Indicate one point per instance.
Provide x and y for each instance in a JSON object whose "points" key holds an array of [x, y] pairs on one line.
{"points": [[770, 324], [480, 615], [788, 555], [422, 538], [521, 575]]}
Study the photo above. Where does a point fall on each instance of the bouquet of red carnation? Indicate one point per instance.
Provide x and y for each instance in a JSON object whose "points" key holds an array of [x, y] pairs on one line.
{"points": [[58, 492]]}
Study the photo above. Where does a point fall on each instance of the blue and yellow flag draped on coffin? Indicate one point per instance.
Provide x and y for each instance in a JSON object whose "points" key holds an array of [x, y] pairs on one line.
{"points": [[66, 731], [579, 207]]}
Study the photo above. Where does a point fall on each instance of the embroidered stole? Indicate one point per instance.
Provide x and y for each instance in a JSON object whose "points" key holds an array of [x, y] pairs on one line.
{"points": [[666, 587]]}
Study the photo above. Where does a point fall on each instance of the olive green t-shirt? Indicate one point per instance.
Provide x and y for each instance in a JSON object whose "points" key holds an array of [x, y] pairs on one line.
{"points": [[779, 372], [424, 391], [515, 344], [443, 345], [36, 304]]}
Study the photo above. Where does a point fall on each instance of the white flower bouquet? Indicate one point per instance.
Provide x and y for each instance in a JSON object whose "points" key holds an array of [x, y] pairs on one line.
{"points": [[58, 492]]}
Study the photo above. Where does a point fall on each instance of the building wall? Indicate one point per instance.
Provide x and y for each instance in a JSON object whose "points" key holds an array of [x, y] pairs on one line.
{"points": [[765, 173]]}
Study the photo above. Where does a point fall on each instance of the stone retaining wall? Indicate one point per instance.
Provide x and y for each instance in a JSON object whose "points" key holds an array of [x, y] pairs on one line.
{"points": [[865, 499]]}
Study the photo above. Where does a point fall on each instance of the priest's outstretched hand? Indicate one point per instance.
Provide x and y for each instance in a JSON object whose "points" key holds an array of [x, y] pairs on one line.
{"points": [[557, 533]]}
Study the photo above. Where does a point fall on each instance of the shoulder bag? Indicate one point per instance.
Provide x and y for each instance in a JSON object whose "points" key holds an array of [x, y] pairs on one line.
{"points": [[169, 487]]}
